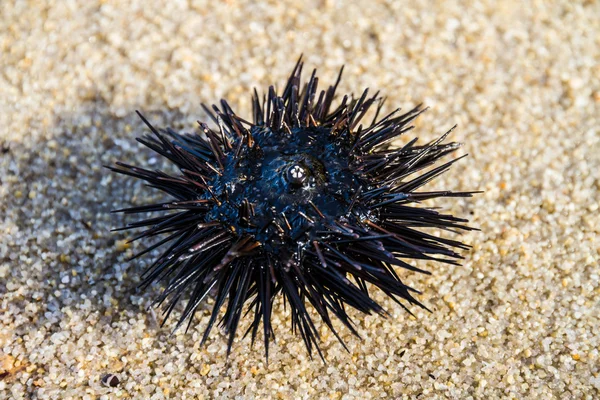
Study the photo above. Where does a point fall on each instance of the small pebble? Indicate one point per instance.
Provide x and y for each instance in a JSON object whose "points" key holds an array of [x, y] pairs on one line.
{"points": [[110, 380]]}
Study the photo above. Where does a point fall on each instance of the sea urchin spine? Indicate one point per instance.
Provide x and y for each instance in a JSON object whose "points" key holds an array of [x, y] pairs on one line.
{"points": [[303, 202]]}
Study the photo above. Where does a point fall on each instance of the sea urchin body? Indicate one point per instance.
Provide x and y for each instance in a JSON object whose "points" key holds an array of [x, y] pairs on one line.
{"points": [[302, 203]]}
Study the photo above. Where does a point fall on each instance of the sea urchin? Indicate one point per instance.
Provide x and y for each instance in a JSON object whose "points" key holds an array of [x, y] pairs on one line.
{"points": [[302, 203]]}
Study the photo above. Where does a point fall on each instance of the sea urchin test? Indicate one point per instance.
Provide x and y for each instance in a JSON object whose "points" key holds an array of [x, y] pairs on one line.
{"points": [[308, 203]]}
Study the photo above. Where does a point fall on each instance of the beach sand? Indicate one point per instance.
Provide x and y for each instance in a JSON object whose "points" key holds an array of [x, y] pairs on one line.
{"points": [[519, 319]]}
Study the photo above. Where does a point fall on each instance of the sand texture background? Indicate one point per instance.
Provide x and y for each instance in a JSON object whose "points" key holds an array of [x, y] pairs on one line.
{"points": [[519, 319]]}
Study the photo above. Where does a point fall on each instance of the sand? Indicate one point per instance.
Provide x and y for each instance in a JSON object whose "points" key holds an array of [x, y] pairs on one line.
{"points": [[519, 319]]}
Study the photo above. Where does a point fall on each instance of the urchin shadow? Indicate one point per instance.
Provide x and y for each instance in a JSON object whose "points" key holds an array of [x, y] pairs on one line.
{"points": [[61, 202]]}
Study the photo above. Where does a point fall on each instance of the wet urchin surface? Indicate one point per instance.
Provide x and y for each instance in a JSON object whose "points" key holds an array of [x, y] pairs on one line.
{"points": [[308, 204]]}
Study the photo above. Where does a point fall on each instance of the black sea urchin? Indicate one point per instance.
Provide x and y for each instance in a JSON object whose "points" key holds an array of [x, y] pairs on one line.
{"points": [[302, 203]]}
